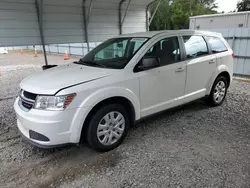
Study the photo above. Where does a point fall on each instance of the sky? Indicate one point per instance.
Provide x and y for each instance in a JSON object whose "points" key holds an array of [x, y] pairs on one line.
{"points": [[226, 5]]}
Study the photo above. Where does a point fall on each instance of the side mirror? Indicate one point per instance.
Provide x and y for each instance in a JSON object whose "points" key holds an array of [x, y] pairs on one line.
{"points": [[45, 67], [149, 63]]}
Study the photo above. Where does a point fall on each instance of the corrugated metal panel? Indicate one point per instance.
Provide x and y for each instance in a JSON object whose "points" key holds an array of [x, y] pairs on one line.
{"points": [[104, 16], [63, 21], [135, 22], [237, 20], [18, 23], [58, 25]]}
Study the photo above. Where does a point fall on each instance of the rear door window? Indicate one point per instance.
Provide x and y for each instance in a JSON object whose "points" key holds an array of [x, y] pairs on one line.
{"points": [[195, 46], [216, 45]]}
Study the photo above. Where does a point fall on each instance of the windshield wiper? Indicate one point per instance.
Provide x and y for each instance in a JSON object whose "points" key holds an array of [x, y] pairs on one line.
{"points": [[90, 63]]}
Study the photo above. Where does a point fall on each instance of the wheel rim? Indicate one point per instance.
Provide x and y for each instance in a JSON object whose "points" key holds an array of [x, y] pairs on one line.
{"points": [[111, 127], [219, 91]]}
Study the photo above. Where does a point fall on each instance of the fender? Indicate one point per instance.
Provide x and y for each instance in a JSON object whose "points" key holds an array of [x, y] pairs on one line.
{"points": [[219, 69], [95, 98], [110, 92]]}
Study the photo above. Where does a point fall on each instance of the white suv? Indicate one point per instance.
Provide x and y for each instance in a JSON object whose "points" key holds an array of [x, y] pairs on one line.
{"points": [[124, 79]]}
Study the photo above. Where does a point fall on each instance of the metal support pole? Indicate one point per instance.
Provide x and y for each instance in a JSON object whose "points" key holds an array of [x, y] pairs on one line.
{"points": [[125, 14], [85, 23], [39, 12], [89, 11], [147, 17], [120, 16], [82, 49], [69, 50], [153, 15]]}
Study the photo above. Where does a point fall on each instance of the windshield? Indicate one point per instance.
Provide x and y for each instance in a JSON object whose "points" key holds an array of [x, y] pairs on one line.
{"points": [[114, 53]]}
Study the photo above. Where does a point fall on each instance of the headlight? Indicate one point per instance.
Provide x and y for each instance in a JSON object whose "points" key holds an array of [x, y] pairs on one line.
{"points": [[53, 103]]}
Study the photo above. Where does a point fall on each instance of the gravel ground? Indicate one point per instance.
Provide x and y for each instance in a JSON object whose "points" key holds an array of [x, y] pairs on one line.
{"points": [[14, 67], [193, 146]]}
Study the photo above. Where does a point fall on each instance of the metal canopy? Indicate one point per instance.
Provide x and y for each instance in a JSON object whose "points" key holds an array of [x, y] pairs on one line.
{"points": [[41, 22], [63, 20]]}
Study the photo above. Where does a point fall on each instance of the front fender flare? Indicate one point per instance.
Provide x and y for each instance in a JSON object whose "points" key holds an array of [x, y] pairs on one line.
{"points": [[97, 97], [110, 92]]}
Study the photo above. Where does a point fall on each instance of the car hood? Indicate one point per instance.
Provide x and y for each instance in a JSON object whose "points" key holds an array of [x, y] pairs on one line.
{"points": [[52, 80]]}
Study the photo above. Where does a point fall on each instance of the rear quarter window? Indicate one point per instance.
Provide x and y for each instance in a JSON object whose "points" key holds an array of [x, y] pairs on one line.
{"points": [[216, 44]]}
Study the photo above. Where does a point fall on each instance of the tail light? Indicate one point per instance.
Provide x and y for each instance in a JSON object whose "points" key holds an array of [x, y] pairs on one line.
{"points": [[233, 55]]}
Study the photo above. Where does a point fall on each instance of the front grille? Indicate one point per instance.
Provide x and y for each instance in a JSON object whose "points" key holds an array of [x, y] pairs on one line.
{"points": [[27, 100], [37, 136], [30, 96]]}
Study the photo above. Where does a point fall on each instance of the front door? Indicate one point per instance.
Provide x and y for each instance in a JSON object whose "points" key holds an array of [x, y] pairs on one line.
{"points": [[163, 87]]}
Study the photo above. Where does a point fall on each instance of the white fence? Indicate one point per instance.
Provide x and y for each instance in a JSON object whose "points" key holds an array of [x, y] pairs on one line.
{"points": [[79, 49]]}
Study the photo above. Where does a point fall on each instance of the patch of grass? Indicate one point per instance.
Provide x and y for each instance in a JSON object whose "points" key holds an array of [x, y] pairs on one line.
{"points": [[24, 51], [243, 79]]}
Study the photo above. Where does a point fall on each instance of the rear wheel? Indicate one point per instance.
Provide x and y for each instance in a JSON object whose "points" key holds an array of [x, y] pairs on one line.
{"points": [[218, 92], [108, 127]]}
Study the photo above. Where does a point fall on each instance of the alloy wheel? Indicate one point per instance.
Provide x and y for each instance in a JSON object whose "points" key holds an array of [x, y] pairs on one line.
{"points": [[219, 91]]}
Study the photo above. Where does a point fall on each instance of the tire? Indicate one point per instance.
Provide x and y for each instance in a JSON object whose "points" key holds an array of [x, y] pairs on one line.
{"points": [[220, 86], [103, 124]]}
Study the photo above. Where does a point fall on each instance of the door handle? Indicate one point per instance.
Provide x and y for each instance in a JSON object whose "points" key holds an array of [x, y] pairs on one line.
{"points": [[211, 61], [181, 69]]}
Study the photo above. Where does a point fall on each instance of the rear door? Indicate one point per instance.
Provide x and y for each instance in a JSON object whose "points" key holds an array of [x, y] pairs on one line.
{"points": [[201, 64]]}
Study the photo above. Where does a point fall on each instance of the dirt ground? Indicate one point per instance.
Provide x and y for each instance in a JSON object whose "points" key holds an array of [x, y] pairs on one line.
{"points": [[192, 146]]}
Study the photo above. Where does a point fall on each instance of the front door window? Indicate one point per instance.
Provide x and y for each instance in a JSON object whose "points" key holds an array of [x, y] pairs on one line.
{"points": [[167, 50]]}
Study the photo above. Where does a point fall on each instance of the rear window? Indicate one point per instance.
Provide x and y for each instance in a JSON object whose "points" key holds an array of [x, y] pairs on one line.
{"points": [[216, 45]]}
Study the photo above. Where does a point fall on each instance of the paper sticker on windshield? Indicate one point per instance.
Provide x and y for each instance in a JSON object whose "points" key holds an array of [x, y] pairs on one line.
{"points": [[138, 40]]}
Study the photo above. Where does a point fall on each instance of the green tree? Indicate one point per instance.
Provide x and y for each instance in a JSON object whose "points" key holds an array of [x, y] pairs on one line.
{"points": [[180, 12], [208, 4], [243, 5], [161, 20], [176, 15]]}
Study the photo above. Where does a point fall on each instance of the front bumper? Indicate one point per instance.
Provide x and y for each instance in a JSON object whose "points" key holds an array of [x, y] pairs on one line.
{"points": [[54, 126], [41, 145]]}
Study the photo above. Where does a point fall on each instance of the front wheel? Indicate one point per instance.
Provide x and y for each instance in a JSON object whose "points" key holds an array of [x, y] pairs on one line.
{"points": [[108, 127], [218, 92]]}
